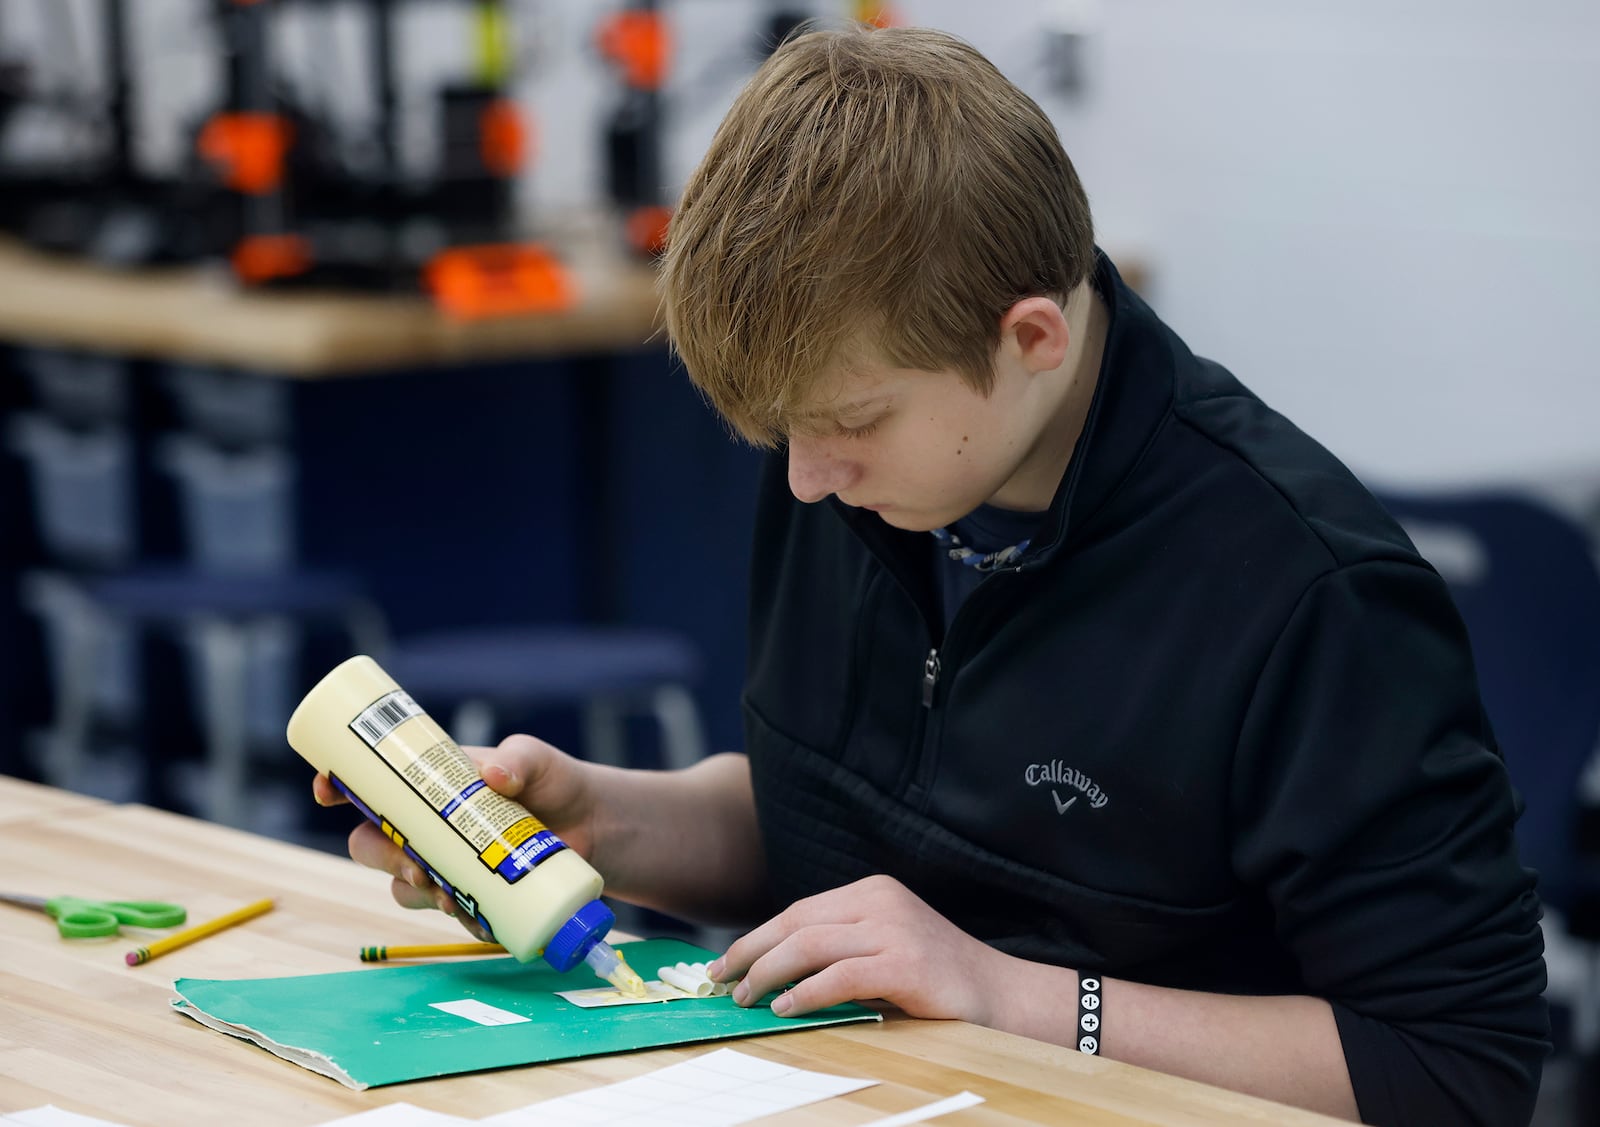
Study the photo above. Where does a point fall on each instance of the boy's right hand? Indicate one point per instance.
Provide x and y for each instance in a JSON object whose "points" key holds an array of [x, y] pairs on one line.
{"points": [[549, 783]]}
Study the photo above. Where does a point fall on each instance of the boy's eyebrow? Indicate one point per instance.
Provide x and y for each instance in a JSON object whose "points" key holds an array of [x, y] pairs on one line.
{"points": [[841, 410]]}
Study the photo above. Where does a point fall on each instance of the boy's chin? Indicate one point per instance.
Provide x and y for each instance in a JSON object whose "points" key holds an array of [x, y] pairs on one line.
{"points": [[908, 521]]}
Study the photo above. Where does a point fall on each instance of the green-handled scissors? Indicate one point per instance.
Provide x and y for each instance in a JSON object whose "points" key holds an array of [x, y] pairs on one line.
{"points": [[77, 918]]}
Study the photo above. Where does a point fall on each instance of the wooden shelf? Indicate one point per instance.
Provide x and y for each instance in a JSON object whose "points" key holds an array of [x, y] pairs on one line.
{"points": [[200, 316]]}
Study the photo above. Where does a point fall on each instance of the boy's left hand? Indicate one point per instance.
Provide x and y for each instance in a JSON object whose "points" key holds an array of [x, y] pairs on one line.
{"points": [[871, 939]]}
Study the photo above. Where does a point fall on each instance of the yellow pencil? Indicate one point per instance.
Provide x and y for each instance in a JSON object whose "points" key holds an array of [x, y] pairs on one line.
{"points": [[199, 931], [429, 951]]}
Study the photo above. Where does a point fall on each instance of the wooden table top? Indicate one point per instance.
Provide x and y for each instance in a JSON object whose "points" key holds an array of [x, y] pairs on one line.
{"points": [[82, 1030], [22, 801]]}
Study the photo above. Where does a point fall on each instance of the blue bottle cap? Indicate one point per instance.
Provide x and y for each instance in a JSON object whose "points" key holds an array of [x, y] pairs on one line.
{"points": [[571, 942]]}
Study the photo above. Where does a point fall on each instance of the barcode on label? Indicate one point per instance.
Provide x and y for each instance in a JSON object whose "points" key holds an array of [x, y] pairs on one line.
{"points": [[383, 716]]}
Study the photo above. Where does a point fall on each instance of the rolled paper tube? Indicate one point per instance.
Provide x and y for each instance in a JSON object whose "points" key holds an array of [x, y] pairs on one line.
{"points": [[717, 988], [682, 978]]}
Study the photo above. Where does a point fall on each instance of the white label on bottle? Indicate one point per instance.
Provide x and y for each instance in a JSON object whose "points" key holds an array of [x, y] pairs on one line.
{"points": [[383, 716], [474, 1010]]}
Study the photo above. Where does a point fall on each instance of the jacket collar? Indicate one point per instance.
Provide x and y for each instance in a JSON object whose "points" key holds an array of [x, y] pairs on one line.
{"points": [[1133, 395]]}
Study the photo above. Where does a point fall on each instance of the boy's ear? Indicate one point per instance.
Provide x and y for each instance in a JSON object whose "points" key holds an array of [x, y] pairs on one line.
{"points": [[1035, 330]]}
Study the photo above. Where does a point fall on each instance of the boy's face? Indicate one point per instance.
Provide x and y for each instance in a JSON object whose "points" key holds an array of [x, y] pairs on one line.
{"points": [[921, 449]]}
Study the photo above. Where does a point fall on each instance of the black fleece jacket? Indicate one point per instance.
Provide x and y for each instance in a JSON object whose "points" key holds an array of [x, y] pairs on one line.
{"points": [[1220, 730]]}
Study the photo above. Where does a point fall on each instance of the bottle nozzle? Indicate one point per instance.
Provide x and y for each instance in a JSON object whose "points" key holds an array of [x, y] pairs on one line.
{"points": [[607, 962]]}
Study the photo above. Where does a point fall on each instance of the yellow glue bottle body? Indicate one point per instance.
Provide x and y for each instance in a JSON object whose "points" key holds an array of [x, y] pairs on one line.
{"points": [[501, 865]]}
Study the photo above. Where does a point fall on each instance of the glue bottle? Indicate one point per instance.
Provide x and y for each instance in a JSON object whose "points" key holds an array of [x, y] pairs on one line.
{"points": [[502, 866]]}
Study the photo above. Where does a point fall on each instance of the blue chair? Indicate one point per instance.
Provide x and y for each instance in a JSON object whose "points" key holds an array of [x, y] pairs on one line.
{"points": [[240, 602], [1525, 580], [237, 601], [607, 672], [223, 618]]}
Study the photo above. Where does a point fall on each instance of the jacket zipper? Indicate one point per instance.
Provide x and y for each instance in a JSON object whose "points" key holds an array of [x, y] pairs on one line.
{"points": [[931, 664], [923, 765]]}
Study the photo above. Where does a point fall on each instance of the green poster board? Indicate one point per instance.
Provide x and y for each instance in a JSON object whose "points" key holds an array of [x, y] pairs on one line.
{"points": [[366, 1028]]}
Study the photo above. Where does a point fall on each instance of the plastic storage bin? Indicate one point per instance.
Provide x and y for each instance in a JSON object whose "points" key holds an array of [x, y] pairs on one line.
{"points": [[81, 482], [238, 507]]}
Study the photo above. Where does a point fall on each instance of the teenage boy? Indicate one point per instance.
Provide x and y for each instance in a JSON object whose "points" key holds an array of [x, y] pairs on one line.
{"points": [[1087, 697]]}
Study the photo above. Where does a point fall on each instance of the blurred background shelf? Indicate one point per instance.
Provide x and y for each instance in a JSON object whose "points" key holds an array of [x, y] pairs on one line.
{"points": [[200, 315]]}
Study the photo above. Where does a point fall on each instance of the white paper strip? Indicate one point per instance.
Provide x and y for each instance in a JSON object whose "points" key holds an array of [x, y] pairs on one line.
{"points": [[594, 997], [480, 1012], [928, 1111]]}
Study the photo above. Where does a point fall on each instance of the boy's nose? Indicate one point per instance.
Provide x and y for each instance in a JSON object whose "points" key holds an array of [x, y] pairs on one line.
{"points": [[814, 471]]}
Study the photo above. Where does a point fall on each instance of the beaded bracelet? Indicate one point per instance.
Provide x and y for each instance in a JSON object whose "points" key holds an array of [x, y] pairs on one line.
{"points": [[1089, 1016]]}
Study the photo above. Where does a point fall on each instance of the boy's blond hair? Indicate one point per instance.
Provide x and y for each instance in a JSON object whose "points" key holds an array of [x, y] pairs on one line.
{"points": [[872, 195]]}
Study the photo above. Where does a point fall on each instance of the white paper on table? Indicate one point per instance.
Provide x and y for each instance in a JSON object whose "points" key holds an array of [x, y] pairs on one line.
{"points": [[717, 1089], [51, 1116], [398, 1115]]}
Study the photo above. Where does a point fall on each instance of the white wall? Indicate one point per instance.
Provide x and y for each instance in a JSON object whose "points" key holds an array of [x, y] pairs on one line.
{"points": [[1383, 216]]}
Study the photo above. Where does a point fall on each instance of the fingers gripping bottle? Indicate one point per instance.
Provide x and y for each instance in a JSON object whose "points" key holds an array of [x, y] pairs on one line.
{"points": [[504, 868]]}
